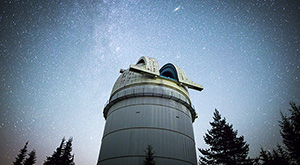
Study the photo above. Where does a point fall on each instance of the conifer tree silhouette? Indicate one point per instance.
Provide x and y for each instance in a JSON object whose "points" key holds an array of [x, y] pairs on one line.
{"points": [[225, 147], [62, 155], [67, 158], [20, 157], [276, 157], [290, 132], [31, 159], [149, 160], [56, 156]]}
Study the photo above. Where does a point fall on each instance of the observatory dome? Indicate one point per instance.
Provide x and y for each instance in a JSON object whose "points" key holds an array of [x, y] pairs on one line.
{"points": [[149, 106], [146, 71]]}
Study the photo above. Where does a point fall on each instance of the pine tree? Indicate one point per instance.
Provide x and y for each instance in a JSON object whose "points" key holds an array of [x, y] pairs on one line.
{"points": [[67, 158], [266, 157], [21, 155], [290, 132], [149, 160], [62, 155], [56, 156], [278, 156], [225, 147], [31, 159]]}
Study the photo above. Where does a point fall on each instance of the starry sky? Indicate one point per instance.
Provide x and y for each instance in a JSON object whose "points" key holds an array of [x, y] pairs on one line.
{"points": [[59, 61]]}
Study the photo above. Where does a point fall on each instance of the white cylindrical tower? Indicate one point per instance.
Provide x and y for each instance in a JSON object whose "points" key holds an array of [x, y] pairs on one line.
{"points": [[149, 106]]}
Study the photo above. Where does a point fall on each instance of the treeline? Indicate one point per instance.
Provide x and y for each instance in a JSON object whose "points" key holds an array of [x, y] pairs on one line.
{"points": [[61, 156], [226, 148]]}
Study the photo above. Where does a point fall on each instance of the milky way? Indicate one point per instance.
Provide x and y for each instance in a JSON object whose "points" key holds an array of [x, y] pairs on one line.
{"points": [[59, 61]]}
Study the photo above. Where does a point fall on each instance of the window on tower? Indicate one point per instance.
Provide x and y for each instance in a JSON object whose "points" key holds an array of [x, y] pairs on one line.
{"points": [[141, 62], [169, 71]]}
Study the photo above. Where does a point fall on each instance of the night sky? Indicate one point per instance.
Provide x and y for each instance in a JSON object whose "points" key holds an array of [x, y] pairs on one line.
{"points": [[59, 61]]}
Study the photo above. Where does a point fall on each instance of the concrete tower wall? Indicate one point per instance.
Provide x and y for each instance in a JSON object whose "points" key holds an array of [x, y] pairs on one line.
{"points": [[148, 114]]}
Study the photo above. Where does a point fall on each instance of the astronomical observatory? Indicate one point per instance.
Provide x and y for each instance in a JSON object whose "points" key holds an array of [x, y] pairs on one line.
{"points": [[149, 106]]}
